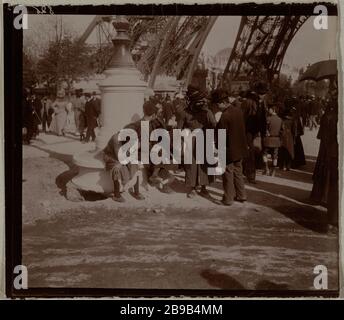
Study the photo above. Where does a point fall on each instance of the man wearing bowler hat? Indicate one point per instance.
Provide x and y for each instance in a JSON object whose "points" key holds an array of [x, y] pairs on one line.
{"points": [[91, 115], [232, 120]]}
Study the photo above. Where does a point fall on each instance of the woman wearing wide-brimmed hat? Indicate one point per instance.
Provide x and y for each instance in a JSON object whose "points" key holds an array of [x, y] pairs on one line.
{"points": [[60, 115], [196, 116]]}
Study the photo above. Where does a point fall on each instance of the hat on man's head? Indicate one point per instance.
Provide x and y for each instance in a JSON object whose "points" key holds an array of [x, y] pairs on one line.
{"points": [[260, 87], [149, 108], [219, 95], [194, 94]]}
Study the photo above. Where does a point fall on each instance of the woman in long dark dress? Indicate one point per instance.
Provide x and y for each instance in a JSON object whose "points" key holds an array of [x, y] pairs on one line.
{"points": [[286, 152], [299, 154], [325, 176], [197, 116]]}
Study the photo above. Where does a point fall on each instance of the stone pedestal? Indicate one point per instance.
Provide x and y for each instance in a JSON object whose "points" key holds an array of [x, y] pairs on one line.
{"points": [[122, 94]]}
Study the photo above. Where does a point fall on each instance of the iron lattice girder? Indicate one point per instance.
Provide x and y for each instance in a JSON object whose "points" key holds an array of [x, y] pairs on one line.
{"points": [[174, 42], [174, 47], [143, 28], [262, 40]]}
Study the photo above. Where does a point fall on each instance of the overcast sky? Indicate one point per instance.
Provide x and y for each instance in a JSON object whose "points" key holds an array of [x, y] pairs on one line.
{"points": [[308, 46]]}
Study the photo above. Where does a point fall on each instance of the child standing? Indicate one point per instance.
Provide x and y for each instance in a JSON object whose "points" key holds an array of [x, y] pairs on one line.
{"points": [[272, 139]]}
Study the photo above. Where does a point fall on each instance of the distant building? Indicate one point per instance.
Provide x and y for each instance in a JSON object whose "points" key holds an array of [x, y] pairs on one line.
{"points": [[221, 59], [215, 65]]}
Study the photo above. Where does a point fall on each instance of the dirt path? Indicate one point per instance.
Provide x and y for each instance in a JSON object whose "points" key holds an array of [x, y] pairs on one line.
{"points": [[271, 242]]}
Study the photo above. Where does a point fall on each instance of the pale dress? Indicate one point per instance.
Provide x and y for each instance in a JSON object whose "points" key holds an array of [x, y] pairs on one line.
{"points": [[70, 126], [60, 117]]}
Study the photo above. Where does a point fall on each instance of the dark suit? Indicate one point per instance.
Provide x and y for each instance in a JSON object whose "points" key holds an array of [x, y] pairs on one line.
{"points": [[91, 115], [98, 103], [46, 114], [232, 120]]}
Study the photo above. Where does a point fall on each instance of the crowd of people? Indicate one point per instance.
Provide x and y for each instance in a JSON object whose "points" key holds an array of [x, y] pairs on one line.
{"points": [[76, 114], [261, 133]]}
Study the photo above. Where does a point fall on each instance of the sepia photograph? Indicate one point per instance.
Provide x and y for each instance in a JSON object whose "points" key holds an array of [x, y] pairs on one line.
{"points": [[174, 150]]}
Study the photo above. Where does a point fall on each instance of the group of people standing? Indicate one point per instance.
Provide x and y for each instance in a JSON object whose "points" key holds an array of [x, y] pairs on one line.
{"points": [[273, 130], [311, 110], [257, 129], [61, 114]]}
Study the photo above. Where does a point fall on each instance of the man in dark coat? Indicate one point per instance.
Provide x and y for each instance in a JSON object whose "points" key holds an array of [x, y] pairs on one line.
{"points": [[97, 101], [167, 109], [79, 109], [37, 108], [46, 113], [91, 114], [299, 153], [249, 107], [196, 116], [232, 120]]}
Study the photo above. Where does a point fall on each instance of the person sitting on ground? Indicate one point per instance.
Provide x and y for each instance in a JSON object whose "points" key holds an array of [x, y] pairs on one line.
{"points": [[126, 177]]}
